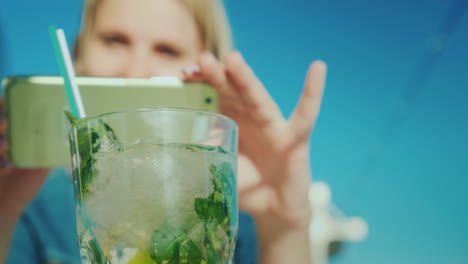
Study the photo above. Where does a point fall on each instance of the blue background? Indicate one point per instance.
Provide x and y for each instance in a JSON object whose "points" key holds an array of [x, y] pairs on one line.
{"points": [[393, 132]]}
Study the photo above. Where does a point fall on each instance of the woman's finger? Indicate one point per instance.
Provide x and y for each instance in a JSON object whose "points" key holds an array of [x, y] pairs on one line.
{"points": [[3, 125], [4, 163], [213, 72], [249, 88], [192, 73], [308, 108]]}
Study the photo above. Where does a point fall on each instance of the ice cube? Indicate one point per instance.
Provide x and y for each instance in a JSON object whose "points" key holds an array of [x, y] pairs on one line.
{"points": [[223, 239], [109, 142], [197, 234]]}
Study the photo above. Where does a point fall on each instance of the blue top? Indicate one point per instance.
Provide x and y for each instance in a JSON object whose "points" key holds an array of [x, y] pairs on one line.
{"points": [[46, 233]]}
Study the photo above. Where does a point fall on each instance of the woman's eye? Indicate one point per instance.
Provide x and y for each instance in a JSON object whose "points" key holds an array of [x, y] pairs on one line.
{"points": [[113, 40], [167, 50]]}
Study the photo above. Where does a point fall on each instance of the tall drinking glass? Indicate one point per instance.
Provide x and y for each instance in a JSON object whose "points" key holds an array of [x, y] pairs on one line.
{"points": [[155, 186]]}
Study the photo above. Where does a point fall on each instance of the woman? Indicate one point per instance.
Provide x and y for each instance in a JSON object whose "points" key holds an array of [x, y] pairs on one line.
{"points": [[189, 39]]}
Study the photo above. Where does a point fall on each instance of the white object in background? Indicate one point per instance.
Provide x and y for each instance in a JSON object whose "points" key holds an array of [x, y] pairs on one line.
{"points": [[329, 224]]}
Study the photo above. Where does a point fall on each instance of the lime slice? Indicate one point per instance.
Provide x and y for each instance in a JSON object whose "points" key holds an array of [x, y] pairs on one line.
{"points": [[142, 258]]}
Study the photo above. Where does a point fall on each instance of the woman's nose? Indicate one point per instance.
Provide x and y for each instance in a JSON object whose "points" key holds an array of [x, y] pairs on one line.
{"points": [[139, 65]]}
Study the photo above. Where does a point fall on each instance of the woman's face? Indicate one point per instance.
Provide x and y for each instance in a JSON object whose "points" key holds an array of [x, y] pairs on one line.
{"points": [[140, 39]]}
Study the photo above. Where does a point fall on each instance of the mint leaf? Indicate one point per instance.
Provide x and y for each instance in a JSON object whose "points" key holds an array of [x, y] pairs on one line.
{"points": [[89, 142], [223, 195], [227, 185], [215, 211], [209, 211], [72, 119], [170, 244], [213, 256], [165, 243], [193, 147], [189, 252]]}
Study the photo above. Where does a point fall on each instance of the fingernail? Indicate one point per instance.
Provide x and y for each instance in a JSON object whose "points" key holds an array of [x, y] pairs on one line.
{"points": [[192, 69], [4, 163]]}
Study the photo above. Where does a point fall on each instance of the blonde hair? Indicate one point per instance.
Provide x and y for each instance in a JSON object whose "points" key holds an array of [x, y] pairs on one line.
{"points": [[209, 15]]}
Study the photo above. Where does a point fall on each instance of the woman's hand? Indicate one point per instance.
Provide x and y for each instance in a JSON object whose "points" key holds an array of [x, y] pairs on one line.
{"points": [[274, 172], [17, 186]]}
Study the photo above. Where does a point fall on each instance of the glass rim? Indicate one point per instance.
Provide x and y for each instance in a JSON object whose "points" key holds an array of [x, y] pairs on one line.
{"points": [[165, 109]]}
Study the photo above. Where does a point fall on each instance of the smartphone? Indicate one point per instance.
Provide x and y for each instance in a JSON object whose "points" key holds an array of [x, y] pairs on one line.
{"points": [[35, 105]]}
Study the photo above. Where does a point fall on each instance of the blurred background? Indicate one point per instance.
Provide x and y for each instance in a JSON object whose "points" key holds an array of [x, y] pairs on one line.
{"points": [[392, 138]]}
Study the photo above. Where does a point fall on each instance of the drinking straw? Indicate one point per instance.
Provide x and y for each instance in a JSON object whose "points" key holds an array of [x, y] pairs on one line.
{"points": [[62, 53]]}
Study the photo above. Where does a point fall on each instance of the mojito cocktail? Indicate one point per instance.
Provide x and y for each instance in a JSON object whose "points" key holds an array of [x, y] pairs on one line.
{"points": [[155, 186]]}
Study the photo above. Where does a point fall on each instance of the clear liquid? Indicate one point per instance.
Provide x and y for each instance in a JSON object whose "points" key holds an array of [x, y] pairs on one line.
{"points": [[136, 191]]}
